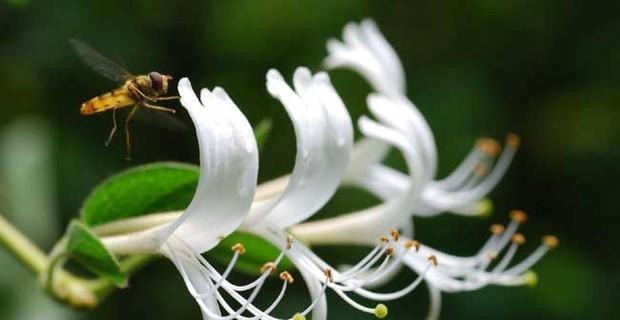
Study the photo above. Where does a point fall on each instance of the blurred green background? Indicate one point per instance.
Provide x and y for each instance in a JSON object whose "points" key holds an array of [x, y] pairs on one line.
{"points": [[546, 69]]}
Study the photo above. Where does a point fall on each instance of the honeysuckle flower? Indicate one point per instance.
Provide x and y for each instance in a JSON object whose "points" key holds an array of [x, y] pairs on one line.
{"points": [[227, 198], [400, 125], [324, 137], [365, 50], [226, 187], [227, 182]]}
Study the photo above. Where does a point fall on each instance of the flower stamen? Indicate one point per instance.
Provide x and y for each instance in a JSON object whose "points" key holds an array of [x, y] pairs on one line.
{"points": [[412, 244], [286, 276], [268, 267], [489, 146], [395, 234], [238, 247]]}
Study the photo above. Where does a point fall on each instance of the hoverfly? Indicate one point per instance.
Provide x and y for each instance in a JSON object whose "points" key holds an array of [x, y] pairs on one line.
{"points": [[134, 91]]}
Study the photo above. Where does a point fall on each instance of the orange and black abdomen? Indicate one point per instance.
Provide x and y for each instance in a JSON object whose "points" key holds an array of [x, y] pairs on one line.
{"points": [[112, 100]]}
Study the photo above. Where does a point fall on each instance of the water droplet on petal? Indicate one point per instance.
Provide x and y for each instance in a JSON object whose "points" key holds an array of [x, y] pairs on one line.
{"points": [[242, 188], [249, 146], [301, 181], [341, 141]]}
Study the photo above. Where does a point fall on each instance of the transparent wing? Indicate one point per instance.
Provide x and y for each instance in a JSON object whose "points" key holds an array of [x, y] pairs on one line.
{"points": [[99, 63], [162, 120]]}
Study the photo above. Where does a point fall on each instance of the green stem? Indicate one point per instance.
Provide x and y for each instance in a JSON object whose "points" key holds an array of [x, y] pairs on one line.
{"points": [[22, 248], [67, 288], [83, 293]]}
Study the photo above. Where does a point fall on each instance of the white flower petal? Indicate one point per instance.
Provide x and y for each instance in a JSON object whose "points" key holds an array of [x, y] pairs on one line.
{"points": [[385, 53], [403, 115], [324, 137], [366, 152], [366, 226], [366, 51], [229, 166]]}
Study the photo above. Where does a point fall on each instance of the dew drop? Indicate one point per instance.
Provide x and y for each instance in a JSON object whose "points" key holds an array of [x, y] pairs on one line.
{"points": [[242, 188], [249, 147], [301, 181], [341, 141]]}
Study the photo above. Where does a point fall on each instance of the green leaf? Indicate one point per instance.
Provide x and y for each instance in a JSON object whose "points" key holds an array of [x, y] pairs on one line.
{"points": [[85, 248], [258, 252], [261, 131], [158, 187]]}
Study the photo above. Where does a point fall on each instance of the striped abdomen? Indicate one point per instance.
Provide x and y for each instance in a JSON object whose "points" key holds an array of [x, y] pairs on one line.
{"points": [[112, 100]]}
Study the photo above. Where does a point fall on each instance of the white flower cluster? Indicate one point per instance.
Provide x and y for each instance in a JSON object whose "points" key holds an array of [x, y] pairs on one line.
{"points": [[228, 198]]}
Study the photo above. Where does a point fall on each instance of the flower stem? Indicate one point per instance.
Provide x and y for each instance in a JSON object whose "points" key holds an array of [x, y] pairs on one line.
{"points": [[67, 288], [22, 248]]}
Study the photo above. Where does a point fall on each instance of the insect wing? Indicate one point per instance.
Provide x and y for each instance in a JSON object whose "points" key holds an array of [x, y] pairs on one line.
{"points": [[160, 119], [99, 63]]}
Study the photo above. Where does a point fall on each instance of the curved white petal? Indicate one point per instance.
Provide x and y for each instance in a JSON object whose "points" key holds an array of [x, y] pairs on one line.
{"points": [[367, 225], [324, 137], [366, 152], [402, 114], [366, 51], [228, 169]]}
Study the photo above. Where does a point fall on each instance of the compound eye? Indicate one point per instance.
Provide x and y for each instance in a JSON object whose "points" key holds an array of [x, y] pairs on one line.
{"points": [[156, 81]]}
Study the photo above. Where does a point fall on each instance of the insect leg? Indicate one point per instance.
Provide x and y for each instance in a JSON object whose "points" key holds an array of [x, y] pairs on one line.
{"points": [[127, 134], [159, 108], [142, 94], [113, 131], [168, 98]]}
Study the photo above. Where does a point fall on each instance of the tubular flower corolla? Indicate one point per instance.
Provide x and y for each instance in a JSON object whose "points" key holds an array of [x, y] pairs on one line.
{"points": [[400, 125]]}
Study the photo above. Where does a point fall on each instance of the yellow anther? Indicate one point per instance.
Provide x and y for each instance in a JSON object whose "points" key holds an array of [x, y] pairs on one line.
{"points": [[492, 256], [433, 259], [497, 229], [518, 216], [551, 241], [518, 239], [285, 276], [268, 267], [412, 244], [395, 234], [384, 239], [299, 316], [389, 251], [381, 311], [489, 146], [289, 242], [239, 248], [329, 274], [513, 140]]}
